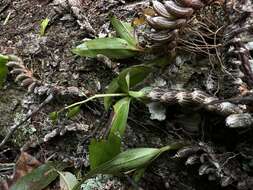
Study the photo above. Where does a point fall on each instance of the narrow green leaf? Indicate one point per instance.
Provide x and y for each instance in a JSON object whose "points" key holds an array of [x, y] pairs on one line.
{"points": [[72, 112], [54, 116], [43, 26], [40, 177], [124, 30], [3, 69], [138, 174], [115, 48], [112, 88], [67, 180], [103, 150], [127, 78], [136, 74], [119, 121]]}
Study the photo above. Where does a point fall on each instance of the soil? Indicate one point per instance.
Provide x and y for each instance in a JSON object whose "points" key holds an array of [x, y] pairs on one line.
{"points": [[51, 60]]}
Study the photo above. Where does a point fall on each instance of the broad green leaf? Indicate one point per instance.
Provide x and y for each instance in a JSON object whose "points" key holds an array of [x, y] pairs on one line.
{"points": [[54, 116], [130, 160], [43, 26], [124, 30], [127, 161], [136, 74], [115, 48], [67, 180], [103, 150], [72, 112], [3, 69], [119, 120], [112, 88], [40, 177]]}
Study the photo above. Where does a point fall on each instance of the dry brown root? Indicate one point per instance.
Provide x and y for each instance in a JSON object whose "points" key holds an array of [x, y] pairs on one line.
{"points": [[237, 116], [22, 74], [170, 17], [25, 77], [220, 167], [239, 120], [197, 98], [237, 58]]}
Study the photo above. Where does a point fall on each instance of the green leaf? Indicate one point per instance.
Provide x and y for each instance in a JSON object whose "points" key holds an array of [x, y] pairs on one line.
{"points": [[160, 61], [43, 26], [72, 112], [138, 174], [54, 116], [128, 81], [112, 88], [115, 48], [127, 161], [137, 94], [103, 151], [136, 74], [67, 180], [130, 160], [40, 177], [124, 30], [3, 69], [119, 120], [4, 58]]}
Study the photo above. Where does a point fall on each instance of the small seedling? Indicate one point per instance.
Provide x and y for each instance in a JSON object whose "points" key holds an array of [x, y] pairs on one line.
{"points": [[43, 26]]}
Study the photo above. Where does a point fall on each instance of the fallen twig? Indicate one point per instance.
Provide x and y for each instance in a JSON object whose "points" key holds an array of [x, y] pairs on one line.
{"points": [[13, 129]]}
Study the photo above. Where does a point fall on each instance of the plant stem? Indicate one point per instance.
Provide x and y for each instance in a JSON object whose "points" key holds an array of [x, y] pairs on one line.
{"points": [[173, 146], [14, 128], [94, 97], [7, 18]]}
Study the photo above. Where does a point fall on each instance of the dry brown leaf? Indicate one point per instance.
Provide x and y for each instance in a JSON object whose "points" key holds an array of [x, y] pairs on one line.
{"points": [[25, 164]]}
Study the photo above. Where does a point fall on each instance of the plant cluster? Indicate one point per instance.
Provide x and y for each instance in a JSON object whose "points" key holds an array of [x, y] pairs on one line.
{"points": [[106, 155]]}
